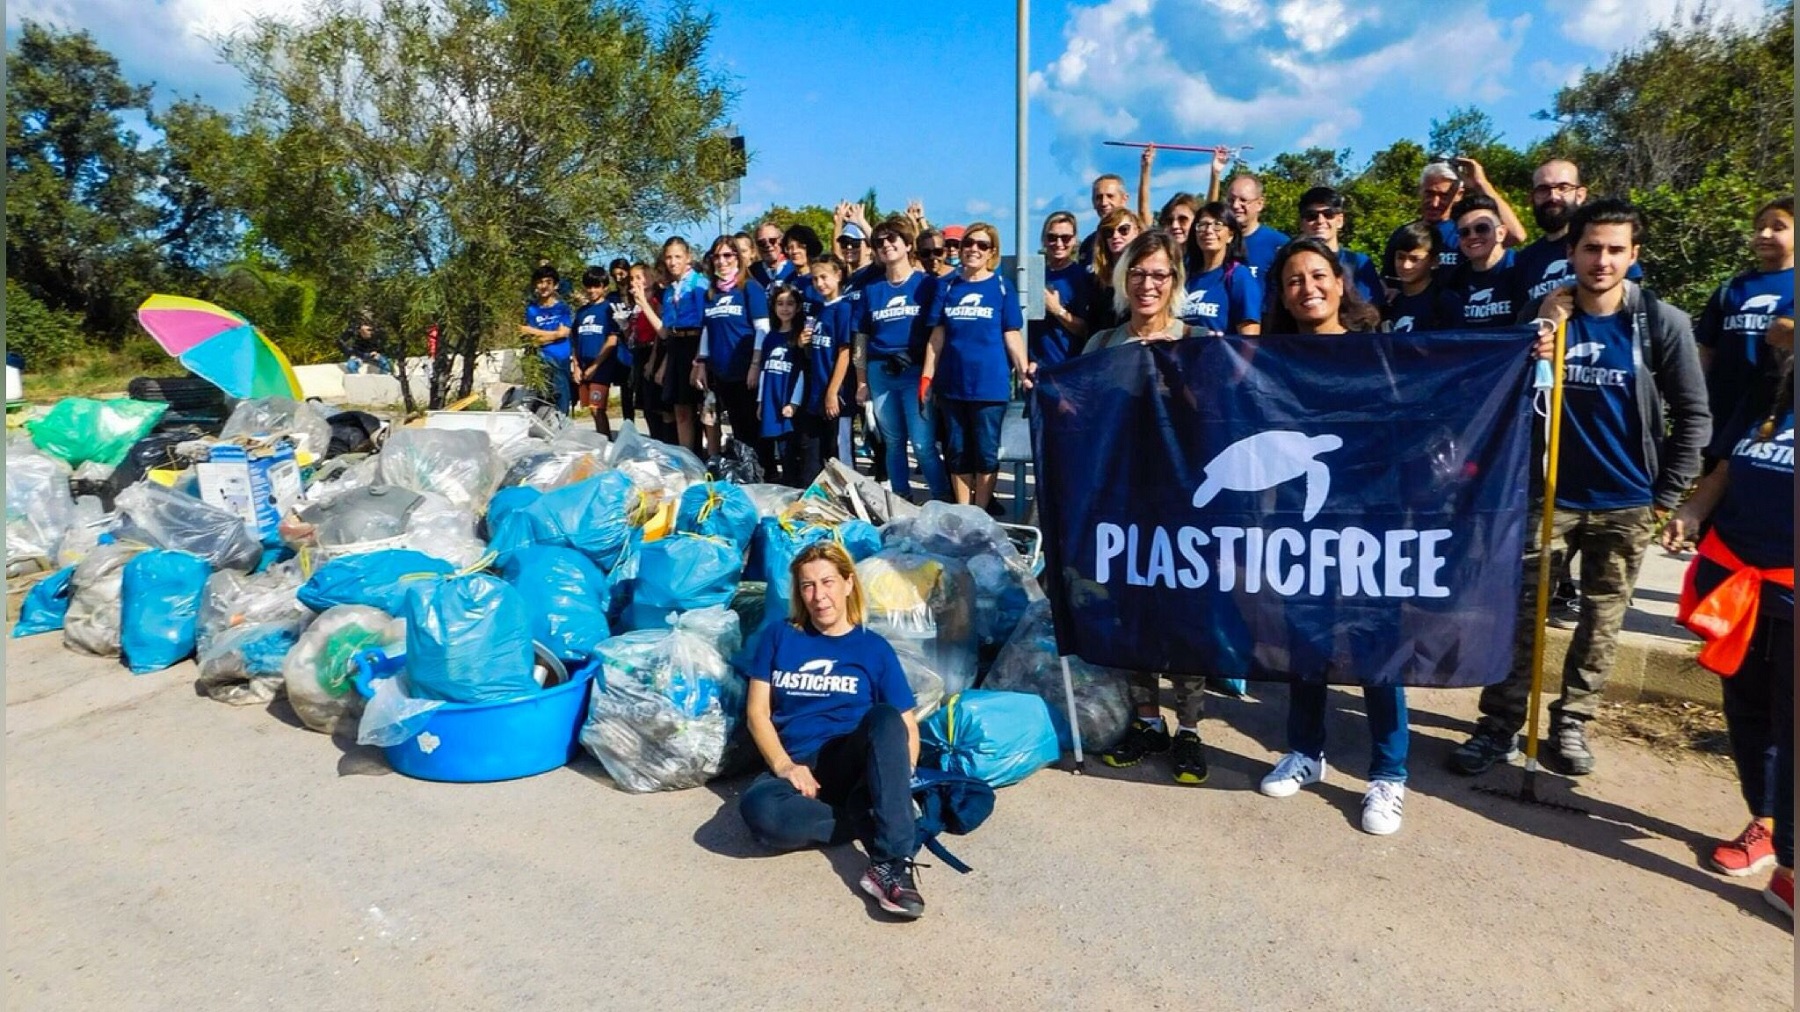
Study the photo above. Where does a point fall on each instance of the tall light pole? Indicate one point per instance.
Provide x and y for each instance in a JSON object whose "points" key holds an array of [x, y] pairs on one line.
{"points": [[1021, 213]]}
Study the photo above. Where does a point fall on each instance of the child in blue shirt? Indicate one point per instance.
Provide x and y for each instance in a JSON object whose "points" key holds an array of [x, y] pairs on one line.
{"points": [[782, 382], [547, 324]]}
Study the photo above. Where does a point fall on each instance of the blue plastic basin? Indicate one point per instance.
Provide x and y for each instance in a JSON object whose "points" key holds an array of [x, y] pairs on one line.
{"points": [[484, 742]]}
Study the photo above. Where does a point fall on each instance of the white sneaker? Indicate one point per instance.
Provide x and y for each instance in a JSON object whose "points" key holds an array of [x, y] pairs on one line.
{"points": [[1293, 772], [1381, 807]]}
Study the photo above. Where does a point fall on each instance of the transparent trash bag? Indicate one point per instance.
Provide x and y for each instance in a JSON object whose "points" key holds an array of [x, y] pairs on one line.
{"points": [[169, 519], [1030, 663], [459, 465], [95, 613], [319, 673], [307, 425]]}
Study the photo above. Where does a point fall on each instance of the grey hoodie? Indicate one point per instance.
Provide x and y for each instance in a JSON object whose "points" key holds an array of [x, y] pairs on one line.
{"points": [[1668, 376]]}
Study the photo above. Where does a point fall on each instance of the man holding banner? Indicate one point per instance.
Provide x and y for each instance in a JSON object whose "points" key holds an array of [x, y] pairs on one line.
{"points": [[1318, 509], [1627, 355]]}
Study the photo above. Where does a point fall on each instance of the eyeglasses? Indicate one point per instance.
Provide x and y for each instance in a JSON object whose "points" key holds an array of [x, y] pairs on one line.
{"points": [[1123, 228], [725, 254], [1059, 238], [769, 243], [977, 244], [1140, 276], [1483, 227], [1560, 189], [844, 240], [930, 252], [889, 239], [1318, 213], [1211, 226]]}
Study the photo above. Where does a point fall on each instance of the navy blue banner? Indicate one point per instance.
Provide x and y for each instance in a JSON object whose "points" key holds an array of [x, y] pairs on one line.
{"points": [[1349, 509]]}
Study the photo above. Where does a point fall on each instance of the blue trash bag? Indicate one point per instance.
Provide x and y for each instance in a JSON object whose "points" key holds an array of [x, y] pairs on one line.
{"points": [[779, 544], [997, 737], [160, 608], [567, 596], [507, 501], [718, 509], [468, 640], [377, 579], [45, 604], [680, 573], [592, 516]]}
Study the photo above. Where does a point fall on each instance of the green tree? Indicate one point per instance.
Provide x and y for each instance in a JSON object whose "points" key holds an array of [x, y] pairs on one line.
{"points": [[421, 156], [94, 219], [812, 216]]}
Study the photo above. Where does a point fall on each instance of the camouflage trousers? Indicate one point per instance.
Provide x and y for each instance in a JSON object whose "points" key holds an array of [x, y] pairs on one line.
{"points": [[1611, 546], [1190, 695]]}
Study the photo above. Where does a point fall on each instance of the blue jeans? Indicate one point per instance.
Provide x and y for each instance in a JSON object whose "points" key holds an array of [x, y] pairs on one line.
{"points": [[865, 792], [972, 435], [1388, 733], [561, 390], [901, 421]]}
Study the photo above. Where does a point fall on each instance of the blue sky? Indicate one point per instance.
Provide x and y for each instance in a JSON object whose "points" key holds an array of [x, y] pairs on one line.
{"points": [[916, 99]]}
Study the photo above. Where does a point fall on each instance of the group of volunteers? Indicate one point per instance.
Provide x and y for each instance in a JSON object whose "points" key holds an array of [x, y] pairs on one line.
{"points": [[785, 342]]}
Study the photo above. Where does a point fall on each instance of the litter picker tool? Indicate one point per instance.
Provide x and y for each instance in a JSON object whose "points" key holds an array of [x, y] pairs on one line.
{"points": [[1527, 791], [1235, 149]]}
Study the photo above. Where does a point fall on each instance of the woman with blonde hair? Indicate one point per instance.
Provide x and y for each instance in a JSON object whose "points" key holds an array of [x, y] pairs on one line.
{"points": [[831, 713], [1116, 231]]}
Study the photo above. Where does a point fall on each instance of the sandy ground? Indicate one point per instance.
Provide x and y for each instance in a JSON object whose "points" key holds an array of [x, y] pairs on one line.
{"points": [[167, 851]]}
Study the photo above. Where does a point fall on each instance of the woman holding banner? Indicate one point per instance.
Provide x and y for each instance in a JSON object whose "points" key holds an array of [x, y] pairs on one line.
{"points": [[1147, 278], [1739, 597], [1316, 295]]}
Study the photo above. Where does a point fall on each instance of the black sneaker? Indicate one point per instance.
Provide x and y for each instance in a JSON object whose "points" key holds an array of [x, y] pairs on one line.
{"points": [[891, 883], [1565, 606], [1483, 751], [1568, 752], [1187, 759], [1141, 739]]}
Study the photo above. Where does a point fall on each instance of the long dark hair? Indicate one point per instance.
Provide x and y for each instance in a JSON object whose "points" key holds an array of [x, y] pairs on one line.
{"points": [[1784, 396], [777, 290], [1355, 314], [1234, 246]]}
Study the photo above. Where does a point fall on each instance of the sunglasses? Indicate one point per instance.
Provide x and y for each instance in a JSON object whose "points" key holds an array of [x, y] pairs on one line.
{"points": [[844, 240], [952, 243], [889, 239], [977, 244], [1059, 237], [1318, 213], [1479, 228], [768, 243], [931, 251], [1125, 229]]}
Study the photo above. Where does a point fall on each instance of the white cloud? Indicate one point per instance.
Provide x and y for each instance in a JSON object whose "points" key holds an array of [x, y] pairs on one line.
{"points": [[1305, 76], [1610, 25]]}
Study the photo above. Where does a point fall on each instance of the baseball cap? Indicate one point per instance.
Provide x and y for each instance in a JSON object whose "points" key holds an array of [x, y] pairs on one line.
{"points": [[953, 232], [851, 230]]}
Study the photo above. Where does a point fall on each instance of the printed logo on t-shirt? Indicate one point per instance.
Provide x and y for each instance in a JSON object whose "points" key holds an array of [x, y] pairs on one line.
{"points": [[814, 678], [969, 307], [1775, 454], [1482, 305], [1593, 374], [726, 306], [1405, 323], [1756, 313], [1196, 305], [897, 308], [1556, 275]]}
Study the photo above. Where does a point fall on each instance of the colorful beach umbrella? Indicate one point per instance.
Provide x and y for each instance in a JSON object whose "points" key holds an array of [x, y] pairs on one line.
{"points": [[219, 346]]}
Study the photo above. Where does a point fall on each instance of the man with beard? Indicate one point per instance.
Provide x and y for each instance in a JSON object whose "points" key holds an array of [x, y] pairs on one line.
{"points": [[1556, 191]]}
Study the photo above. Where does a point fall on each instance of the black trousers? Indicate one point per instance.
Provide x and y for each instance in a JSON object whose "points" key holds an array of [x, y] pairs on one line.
{"points": [[865, 793]]}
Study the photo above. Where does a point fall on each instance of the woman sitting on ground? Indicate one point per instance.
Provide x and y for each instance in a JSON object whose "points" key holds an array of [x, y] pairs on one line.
{"points": [[831, 712]]}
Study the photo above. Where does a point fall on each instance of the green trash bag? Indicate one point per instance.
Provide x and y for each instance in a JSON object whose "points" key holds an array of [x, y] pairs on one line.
{"points": [[80, 429]]}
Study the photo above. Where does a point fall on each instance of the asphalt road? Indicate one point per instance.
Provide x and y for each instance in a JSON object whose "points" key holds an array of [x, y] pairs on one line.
{"points": [[168, 852]]}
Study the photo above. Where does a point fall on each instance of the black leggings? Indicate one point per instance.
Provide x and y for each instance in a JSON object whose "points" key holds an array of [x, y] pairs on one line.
{"points": [[865, 793], [739, 404], [1759, 707]]}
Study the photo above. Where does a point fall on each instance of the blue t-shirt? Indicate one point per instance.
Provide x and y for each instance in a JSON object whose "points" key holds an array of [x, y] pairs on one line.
{"points": [[862, 278], [804, 284], [1449, 256], [593, 322], [684, 302], [975, 316], [1490, 298], [834, 327], [1260, 248], [1602, 465], [1222, 298], [1361, 270], [783, 271], [551, 317], [897, 318], [1755, 517], [731, 319], [1047, 341], [1543, 267], [782, 382], [1733, 325], [1434, 308], [820, 687]]}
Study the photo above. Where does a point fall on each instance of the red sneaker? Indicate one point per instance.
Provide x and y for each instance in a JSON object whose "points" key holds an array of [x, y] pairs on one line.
{"points": [[1751, 852], [1780, 893]]}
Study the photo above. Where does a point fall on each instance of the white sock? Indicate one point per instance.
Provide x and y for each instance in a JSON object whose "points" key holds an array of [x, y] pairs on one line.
{"points": [[1195, 731], [1156, 722]]}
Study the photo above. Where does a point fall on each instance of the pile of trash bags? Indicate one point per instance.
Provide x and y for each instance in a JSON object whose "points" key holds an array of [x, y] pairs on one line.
{"points": [[488, 563]]}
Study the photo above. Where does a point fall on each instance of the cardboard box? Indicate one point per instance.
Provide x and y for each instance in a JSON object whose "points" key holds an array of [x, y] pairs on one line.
{"points": [[257, 480]]}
